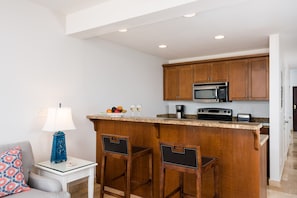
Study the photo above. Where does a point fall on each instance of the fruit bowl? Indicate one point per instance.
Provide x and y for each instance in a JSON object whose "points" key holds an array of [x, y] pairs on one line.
{"points": [[115, 115], [116, 111]]}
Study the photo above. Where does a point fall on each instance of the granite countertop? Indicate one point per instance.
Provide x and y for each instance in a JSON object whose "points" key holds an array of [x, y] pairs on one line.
{"points": [[263, 139], [189, 122]]}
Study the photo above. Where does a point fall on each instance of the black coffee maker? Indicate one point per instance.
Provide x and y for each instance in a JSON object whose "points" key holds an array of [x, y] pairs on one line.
{"points": [[180, 111]]}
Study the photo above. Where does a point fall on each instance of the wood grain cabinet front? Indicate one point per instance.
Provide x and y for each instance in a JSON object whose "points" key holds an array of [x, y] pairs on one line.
{"points": [[238, 79], [211, 72], [248, 79], [259, 78], [178, 82]]}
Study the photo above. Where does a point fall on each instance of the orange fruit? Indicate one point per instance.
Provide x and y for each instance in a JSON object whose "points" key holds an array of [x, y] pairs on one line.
{"points": [[108, 111], [120, 108]]}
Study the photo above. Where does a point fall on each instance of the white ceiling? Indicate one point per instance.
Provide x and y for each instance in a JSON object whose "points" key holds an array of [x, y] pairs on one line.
{"points": [[68, 6], [246, 25]]}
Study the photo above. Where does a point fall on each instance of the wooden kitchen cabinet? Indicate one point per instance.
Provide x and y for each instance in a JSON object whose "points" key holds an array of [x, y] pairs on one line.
{"points": [[219, 72], [211, 72], [178, 82], [259, 78], [238, 79], [170, 87], [202, 72], [248, 79]]}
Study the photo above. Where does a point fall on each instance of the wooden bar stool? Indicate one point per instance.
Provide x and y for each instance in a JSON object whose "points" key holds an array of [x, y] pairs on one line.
{"points": [[186, 159], [119, 147]]}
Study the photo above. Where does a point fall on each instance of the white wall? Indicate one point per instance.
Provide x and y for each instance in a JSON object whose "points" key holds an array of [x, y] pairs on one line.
{"points": [[41, 67], [259, 109], [293, 77]]}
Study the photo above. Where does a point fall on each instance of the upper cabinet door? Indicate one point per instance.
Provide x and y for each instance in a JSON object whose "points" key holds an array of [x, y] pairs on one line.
{"points": [[259, 78], [211, 72], [185, 83], [170, 78], [249, 79], [238, 79], [219, 72], [178, 82], [202, 72]]}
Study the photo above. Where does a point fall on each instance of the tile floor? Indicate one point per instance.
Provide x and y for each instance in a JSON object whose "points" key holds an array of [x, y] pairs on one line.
{"points": [[288, 185], [286, 189]]}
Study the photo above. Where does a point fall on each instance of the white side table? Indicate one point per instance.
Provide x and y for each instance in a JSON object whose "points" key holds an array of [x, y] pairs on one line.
{"points": [[71, 170]]}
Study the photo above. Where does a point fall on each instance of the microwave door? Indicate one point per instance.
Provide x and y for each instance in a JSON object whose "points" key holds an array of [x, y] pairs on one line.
{"points": [[205, 95]]}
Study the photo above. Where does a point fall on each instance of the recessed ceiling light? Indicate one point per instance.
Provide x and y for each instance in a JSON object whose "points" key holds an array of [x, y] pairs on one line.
{"points": [[123, 30], [162, 46], [190, 15], [219, 37]]}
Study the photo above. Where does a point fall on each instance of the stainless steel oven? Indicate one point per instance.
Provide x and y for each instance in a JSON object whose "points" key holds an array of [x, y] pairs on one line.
{"points": [[219, 114]]}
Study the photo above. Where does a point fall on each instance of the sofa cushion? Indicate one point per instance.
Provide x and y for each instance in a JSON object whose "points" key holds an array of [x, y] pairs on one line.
{"points": [[34, 193], [11, 172]]}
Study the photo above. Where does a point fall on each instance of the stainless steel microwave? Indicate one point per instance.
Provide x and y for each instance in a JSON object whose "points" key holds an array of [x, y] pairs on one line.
{"points": [[211, 92]]}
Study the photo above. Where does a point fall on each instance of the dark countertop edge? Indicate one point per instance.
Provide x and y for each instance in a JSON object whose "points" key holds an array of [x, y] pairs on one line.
{"points": [[188, 122]]}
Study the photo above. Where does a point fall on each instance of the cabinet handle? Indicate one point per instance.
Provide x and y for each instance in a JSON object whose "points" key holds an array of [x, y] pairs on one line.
{"points": [[294, 107]]}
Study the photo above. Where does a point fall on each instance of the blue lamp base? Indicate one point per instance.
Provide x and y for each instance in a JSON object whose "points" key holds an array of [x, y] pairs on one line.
{"points": [[59, 153]]}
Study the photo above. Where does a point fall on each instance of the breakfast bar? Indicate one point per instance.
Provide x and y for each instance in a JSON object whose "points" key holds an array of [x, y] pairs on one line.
{"points": [[239, 147]]}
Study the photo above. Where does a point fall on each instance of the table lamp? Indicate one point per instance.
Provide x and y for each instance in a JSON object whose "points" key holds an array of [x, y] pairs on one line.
{"points": [[58, 120]]}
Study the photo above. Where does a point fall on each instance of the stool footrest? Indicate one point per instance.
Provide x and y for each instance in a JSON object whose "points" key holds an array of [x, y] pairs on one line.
{"points": [[178, 189], [138, 184], [118, 177]]}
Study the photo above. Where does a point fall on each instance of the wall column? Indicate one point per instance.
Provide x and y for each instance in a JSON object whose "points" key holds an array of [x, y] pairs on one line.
{"points": [[275, 110]]}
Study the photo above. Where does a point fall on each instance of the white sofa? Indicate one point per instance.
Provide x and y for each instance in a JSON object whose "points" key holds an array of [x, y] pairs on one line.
{"points": [[41, 187]]}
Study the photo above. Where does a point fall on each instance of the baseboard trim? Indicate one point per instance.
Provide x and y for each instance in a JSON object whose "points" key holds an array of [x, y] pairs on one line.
{"points": [[274, 183]]}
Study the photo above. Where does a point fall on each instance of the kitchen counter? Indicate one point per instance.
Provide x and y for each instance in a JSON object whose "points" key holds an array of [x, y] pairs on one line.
{"points": [[263, 139], [188, 122], [239, 147]]}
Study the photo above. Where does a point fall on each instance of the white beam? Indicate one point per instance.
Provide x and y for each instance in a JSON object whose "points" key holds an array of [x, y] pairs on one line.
{"points": [[116, 12]]}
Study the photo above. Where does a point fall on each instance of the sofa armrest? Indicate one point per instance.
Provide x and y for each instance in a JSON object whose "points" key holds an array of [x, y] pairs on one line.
{"points": [[44, 183]]}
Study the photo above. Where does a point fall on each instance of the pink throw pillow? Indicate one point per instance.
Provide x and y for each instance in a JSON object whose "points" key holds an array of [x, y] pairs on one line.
{"points": [[12, 179]]}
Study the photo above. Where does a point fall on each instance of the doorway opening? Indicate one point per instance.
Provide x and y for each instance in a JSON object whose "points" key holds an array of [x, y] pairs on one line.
{"points": [[295, 109]]}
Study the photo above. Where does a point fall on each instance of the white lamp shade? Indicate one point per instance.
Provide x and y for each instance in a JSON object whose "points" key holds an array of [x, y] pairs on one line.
{"points": [[58, 119]]}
